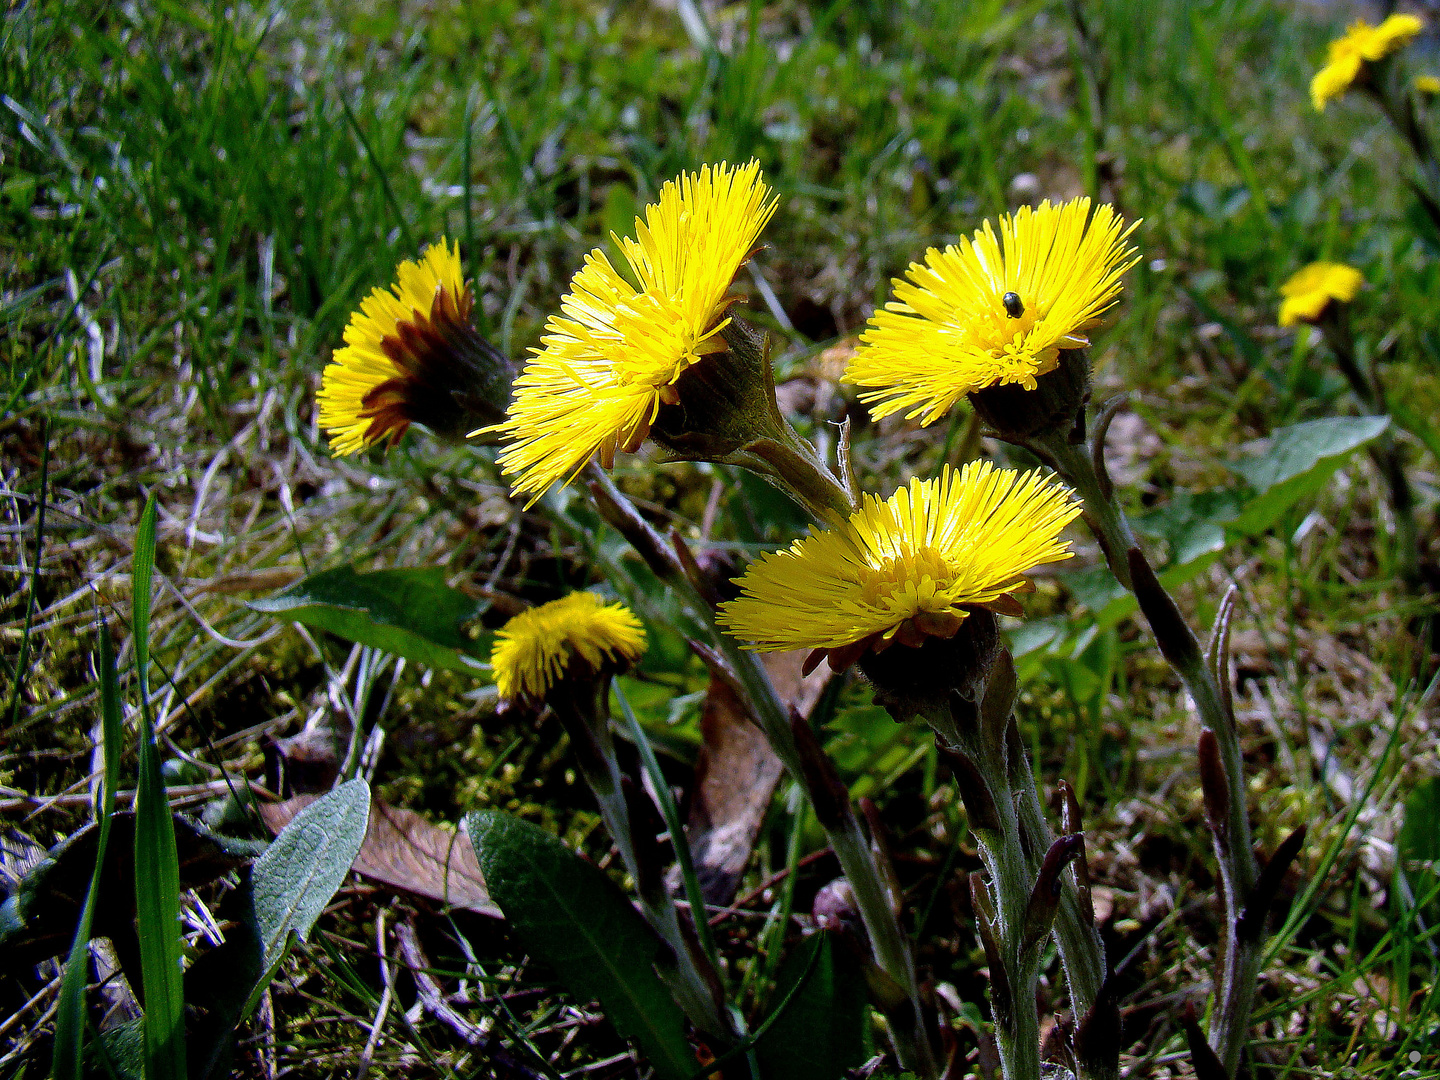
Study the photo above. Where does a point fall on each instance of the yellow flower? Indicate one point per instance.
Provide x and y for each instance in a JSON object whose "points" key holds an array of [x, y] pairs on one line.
{"points": [[1427, 84], [535, 648], [992, 312], [1347, 56], [613, 355], [411, 355], [904, 568], [1309, 291]]}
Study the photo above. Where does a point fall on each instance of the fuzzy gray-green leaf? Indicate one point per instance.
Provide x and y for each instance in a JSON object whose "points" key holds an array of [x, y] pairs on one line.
{"points": [[307, 863]]}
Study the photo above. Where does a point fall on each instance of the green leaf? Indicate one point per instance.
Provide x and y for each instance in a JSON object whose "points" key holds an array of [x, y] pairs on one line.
{"points": [[221, 985], [122, 1049], [157, 866], [1295, 450], [302, 869], [1420, 835], [569, 914], [1300, 461], [289, 886], [409, 613], [70, 1013], [1192, 523], [821, 1032]]}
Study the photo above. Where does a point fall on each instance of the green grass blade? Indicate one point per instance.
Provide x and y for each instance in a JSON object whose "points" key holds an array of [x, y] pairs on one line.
{"points": [[1310, 899], [70, 1014], [157, 867], [671, 814]]}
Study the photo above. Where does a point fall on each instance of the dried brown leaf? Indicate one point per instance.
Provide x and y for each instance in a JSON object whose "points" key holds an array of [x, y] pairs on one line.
{"points": [[736, 774]]}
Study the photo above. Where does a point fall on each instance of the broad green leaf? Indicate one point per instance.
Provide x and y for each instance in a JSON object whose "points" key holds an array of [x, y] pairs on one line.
{"points": [[157, 866], [70, 1013], [221, 984], [569, 914], [1195, 525], [409, 613], [1192, 523], [1420, 835], [1266, 511], [304, 866], [821, 1031], [1297, 449]]}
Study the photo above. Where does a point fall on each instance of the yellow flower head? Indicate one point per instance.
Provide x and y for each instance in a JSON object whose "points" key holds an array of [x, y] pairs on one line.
{"points": [[992, 311], [1310, 290], [1428, 84], [908, 567], [1347, 56], [613, 355], [408, 350], [537, 647]]}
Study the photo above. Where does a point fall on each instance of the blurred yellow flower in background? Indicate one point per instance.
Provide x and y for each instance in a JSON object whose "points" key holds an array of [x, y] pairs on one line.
{"points": [[537, 648], [993, 310], [613, 355], [1310, 290], [1428, 84], [905, 568], [1362, 43]]}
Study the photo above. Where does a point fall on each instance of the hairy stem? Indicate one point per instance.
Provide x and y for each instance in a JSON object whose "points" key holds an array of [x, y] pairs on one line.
{"points": [[1081, 951], [1011, 882], [857, 859], [1236, 982]]}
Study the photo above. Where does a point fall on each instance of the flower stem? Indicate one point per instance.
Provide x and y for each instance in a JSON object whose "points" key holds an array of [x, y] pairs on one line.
{"points": [[1081, 951], [1398, 105], [1004, 929], [857, 860], [1385, 453], [693, 979], [1236, 981]]}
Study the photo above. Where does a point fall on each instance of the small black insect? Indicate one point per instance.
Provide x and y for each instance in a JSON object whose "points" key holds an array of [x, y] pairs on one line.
{"points": [[1013, 307]]}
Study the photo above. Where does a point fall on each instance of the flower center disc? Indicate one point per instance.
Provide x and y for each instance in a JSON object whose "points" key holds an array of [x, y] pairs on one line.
{"points": [[909, 582], [996, 332]]}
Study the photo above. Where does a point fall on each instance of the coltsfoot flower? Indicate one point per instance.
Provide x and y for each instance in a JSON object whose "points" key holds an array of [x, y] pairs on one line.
{"points": [[992, 311], [905, 569], [612, 357], [579, 636], [1347, 57], [1312, 289], [412, 355]]}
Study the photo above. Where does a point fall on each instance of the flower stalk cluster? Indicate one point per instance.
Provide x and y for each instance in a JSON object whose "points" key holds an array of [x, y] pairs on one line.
{"points": [[804, 761], [908, 588], [1030, 886]]}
